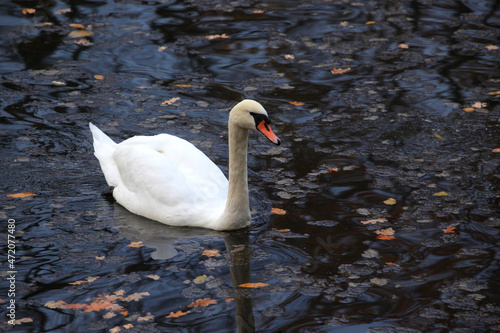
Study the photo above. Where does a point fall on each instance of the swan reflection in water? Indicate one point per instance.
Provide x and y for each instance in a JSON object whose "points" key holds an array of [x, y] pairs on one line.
{"points": [[162, 239]]}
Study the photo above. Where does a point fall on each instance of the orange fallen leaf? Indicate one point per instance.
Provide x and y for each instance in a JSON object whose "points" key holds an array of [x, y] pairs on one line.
{"points": [[87, 280], [403, 46], [494, 93], [340, 70], [390, 201], [202, 302], [153, 276], [468, 109], [253, 285], [332, 169], [258, 11], [29, 11], [229, 300], [496, 150], [491, 47], [391, 264], [100, 258], [211, 253], [76, 25], [80, 33], [479, 105], [115, 329], [289, 56], [135, 244], [136, 296], [281, 230], [449, 230], [128, 326], [296, 103], [210, 37], [385, 237], [177, 314], [145, 318], [170, 101], [278, 211], [21, 195], [386, 234], [370, 22], [98, 77], [441, 194], [373, 221], [183, 85], [83, 42]]}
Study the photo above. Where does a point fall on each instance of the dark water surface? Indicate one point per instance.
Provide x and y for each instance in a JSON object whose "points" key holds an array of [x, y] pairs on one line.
{"points": [[401, 96]]}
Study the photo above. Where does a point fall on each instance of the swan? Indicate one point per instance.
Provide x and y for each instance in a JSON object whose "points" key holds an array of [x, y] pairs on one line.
{"points": [[167, 179]]}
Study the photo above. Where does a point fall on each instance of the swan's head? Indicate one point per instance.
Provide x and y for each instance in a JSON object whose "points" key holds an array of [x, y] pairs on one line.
{"points": [[252, 115]]}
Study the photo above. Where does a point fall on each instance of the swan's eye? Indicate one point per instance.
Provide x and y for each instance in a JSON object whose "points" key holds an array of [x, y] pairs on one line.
{"points": [[258, 118]]}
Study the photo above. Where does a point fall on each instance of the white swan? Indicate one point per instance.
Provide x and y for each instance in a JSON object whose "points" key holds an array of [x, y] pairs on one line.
{"points": [[167, 179]]}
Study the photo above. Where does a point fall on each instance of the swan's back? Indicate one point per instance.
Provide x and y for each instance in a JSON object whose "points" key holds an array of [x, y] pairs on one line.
{"points": [[162, 177]]}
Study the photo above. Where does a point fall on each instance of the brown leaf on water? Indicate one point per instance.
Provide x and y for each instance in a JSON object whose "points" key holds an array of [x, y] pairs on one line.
{"points": [[281, 230], [55, 305], [385, 234], [170, 101], [449, 230], [27, 11], [441, 194], [202, 302], [145, 318], [153, 276], [370, 22], [76, 26], [258, 11], [385, 237], [128, 326], [100, 258], [468, 109], [80, 33], [437, 136], [403, 46], [135, 244], [98, 77], [296, 103], [87, 280], [479, 105], [289, 56], [332, 170], [177, 314], [390, 201], [109, 315], [491, 47], [496, 150], [115, 329], [391, 264], [340, 70], [380, 220], [211, 253], [253, 285], [184, 85], [21, 195], [82, 42], [278, 211], [210, 37], [63, 11], [136, 296], [494, 93], [228, 300]]}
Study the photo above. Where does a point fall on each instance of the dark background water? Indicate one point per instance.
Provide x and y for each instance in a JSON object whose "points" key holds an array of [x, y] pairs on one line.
{"points": [[394, 125]]}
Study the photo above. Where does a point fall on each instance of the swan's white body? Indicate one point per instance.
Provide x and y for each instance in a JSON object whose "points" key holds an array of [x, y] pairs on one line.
{"points": [[167, 179]]}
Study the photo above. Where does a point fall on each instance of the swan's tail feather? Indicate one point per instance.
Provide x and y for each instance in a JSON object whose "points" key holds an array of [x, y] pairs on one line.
{"points": [[104, 148]]}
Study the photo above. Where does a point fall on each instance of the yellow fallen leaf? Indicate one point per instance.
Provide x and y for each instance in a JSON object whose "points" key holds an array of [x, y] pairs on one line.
{"points": [[29, 11], [77, 26], [211, 253], [210, 37], [162, 48], [202, 302], [380, 220], [340, 70], [390, 201], [296, 103], [100, 258], [441, 194], [135, 244], [253, 285], [79, 33], [200, 279], [21, 195], [278, 211], [438, 136], [170, 101], [98, 77], [177, 314]]}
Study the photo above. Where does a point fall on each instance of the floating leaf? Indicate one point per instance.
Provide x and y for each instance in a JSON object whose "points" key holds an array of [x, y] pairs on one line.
{"points": [[296, 103], [80, 33], [379, 282], [390, 201], [449, 230], [391, 264], [21, 195], [128, 326], [340, 70], [100, 258], [145, 318], [380, 220], [223, 36], [58, 83], [403, 46], [136, 296], [289, 56], [491, 47], [253, 285], [370, 22], [170, 101], [63, 11], [385, 237], [211, 253], [468, 109], [385, 234], [109, 315], [278, 211], [98, 77], [332, 170], [27, 11], [281, 230], [258, 11], [153, 276], [87, 280], [496, 150], [77, 26], [83, 42], [184, 85], [135, 244], [441, 194], [344, 24], [479, 105], [229, 300], [162, 48], [22, 321], [202, 302], [177, 314], [438, 136], [115, 329], [494, 93], [200, 279]]}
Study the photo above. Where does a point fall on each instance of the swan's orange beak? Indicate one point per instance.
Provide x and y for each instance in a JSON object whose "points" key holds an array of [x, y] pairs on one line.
{"points": [[265, 128]]}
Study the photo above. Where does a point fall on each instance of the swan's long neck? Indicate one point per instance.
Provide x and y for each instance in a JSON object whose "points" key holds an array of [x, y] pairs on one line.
{"points": [[236, 214]]}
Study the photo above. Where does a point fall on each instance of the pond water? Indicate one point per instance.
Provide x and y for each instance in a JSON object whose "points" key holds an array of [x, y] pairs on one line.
{"points": [[388, 176]]}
